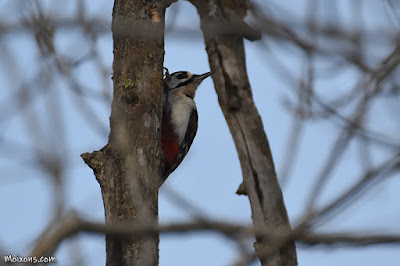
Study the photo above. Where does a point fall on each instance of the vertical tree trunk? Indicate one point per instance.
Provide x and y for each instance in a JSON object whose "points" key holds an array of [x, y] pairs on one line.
{"points": [[223, 30], [128, 168]]}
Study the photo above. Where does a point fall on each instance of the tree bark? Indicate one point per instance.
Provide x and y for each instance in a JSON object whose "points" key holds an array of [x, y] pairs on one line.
{"points": [[224, 29], [129, 167]]}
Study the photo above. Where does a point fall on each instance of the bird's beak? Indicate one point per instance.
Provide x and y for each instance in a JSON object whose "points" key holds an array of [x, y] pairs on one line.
{"points": [[200, 78]]}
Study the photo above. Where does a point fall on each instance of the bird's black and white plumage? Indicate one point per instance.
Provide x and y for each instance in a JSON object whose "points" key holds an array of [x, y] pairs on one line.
{"points": [[180, 120]]}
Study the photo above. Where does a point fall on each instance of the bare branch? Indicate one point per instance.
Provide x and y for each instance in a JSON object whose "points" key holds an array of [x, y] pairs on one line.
{"points": [[260, 183], [72, 224]]}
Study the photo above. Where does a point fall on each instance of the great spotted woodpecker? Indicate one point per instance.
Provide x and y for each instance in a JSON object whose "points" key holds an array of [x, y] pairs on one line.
{"points": [[179, 125]]}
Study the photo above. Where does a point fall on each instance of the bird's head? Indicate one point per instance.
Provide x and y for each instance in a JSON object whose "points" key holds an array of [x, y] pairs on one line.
{"points": [[184, 80]]}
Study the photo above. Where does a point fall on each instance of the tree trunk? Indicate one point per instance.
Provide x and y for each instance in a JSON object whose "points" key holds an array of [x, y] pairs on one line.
{"points": [[129, 167], [223, 30]]}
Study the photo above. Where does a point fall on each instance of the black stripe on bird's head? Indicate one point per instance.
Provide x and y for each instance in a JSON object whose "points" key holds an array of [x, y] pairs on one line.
{"points": [[182, 78]]}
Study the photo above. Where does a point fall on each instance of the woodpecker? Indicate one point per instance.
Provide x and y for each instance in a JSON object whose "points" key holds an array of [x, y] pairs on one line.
{"points": [[179, 124]]}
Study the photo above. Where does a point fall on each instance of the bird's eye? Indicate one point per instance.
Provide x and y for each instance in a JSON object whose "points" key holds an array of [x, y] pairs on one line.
{"points": [[182, 76]]}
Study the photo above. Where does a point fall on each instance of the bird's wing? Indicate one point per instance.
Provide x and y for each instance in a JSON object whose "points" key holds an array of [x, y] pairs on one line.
{"points": [[186, 143]]}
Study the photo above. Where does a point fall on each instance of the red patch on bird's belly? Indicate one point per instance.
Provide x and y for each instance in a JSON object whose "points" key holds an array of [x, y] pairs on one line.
{"points": [[169, 142], [171, 149]]}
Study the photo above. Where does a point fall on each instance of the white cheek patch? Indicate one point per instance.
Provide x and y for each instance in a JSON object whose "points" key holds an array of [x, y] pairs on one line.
{"points": [[173, 82]]}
